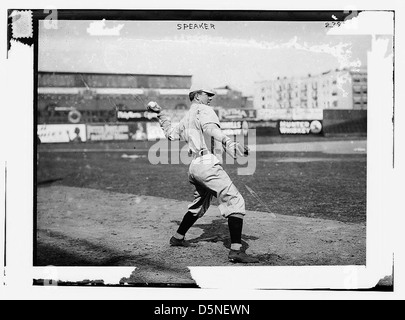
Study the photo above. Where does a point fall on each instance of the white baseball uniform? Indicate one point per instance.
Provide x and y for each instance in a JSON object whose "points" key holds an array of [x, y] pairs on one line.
{"points": [[205, 171]]}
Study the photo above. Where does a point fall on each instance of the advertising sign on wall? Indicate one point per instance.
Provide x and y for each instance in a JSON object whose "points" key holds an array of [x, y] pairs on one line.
{"points": [[300, 127], [235, 128], [135, 115], [236, 114], [138, 131], [154, 131], [61, 133], [107, 132]]}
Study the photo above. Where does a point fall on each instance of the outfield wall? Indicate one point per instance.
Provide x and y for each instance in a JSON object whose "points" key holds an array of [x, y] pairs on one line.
{"points": [[150, 130], [138, 131], [337, 122], [79, 133], [140, 126]]}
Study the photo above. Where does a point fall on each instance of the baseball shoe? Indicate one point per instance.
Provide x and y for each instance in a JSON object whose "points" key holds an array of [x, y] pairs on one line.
{"points": [[179, 243], [238, 256]]}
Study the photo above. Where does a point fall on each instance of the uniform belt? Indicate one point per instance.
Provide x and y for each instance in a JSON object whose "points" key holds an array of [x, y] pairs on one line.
{"points": [[200, 153]]}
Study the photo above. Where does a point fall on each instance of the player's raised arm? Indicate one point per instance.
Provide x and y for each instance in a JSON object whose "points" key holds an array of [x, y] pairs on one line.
{"points": [[171, 132]]}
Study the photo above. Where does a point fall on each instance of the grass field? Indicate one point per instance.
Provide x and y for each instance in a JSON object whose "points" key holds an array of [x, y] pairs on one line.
{"points": [[307, 184]]}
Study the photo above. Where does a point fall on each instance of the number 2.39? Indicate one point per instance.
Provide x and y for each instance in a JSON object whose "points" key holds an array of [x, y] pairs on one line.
{"points": [[333, 24]]}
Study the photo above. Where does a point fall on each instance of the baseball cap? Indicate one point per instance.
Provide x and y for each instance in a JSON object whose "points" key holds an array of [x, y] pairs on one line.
{"points": [[202, 87]]}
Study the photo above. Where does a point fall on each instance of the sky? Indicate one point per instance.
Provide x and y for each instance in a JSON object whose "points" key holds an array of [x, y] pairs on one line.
{"points": [[233, 53]]}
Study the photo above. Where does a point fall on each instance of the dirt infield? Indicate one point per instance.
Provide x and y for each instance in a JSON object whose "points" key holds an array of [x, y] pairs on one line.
{"points": [[88, 227]]}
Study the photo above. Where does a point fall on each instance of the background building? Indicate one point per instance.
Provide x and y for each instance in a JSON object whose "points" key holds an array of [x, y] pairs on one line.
{"points": [[337, 89], [65, 97], [96, 97], [227, 98]]}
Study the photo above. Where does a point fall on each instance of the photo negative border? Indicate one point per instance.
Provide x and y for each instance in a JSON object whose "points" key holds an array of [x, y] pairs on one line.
{"points": [[186, 15]]}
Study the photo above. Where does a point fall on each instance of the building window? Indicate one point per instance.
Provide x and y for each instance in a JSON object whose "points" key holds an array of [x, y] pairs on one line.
{"points": [[357, 89], [357, 105]]}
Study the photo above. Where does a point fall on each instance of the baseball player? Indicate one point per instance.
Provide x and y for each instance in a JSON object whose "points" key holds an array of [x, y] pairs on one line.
{"points": [[198, 127]]}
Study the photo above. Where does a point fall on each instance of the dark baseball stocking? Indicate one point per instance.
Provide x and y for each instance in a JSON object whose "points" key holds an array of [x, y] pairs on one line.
{"points": [[235, 225], [188, 220]]}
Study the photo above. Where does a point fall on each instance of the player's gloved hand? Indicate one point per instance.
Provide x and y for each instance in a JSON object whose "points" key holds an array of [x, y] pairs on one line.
{"points": [[234, 148], [154, 107]]}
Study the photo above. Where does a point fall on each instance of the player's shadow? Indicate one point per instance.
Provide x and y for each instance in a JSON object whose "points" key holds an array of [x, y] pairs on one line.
{"points": [[218, 231], [48, 182]]}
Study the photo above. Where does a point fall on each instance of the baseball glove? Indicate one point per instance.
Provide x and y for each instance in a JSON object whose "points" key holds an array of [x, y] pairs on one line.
{"points": [[234, 149], [154, 107]]}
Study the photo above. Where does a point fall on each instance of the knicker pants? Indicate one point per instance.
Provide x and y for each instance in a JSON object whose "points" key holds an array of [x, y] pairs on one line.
{"points": [[210, 180]]}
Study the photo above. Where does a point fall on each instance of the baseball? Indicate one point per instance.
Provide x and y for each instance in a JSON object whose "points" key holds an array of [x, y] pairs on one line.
{"points": [[152, 104]]}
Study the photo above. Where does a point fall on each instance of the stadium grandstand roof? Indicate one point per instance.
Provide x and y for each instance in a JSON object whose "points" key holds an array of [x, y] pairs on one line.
{"points": [[117, 74]]}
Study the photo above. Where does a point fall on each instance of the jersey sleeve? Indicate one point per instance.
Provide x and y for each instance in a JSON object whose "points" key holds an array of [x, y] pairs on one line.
{"points": [[208, 115], [172, 132]]}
